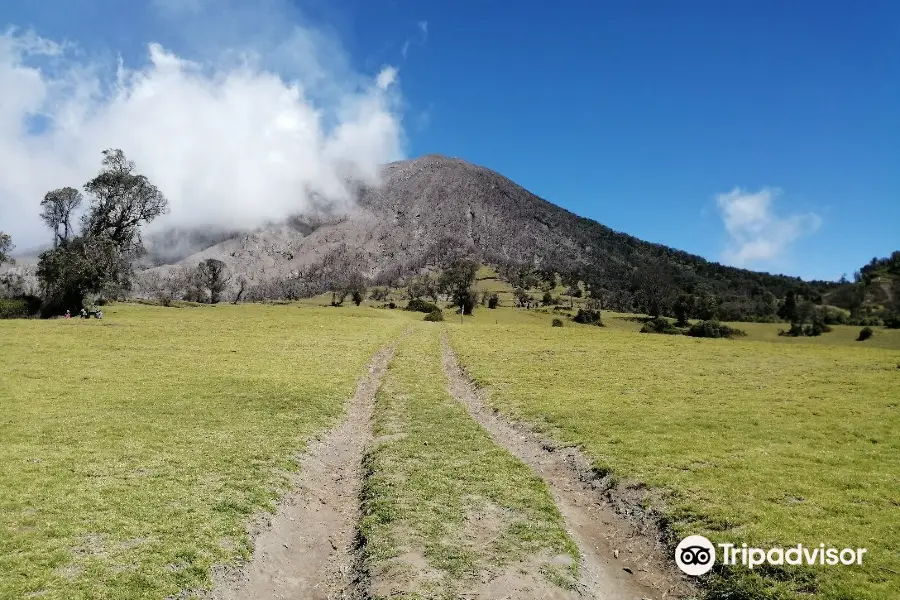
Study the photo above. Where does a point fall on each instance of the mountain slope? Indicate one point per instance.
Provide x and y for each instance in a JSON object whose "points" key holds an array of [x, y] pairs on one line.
{"points": [[433, 203]]}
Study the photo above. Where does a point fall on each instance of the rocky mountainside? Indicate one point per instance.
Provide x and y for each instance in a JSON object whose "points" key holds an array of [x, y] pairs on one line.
{"points": [[427, 205]]}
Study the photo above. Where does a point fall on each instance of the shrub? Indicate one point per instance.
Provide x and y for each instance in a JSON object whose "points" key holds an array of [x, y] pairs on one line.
{"points": [[419, 305], [864, 334], [865, 321], [834, 316], [391, 305], [892, 321], [713, 329], [547, 300], [493, 301], [379, 294], [588, 317], [20, 307], [816, 328], [435, 315], [796, 330], [659, 325], [557, 323], [357, 297]]}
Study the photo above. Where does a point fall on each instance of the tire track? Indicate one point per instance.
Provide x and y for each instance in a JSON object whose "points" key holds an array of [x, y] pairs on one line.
{"points": [[617, 562], [307, 552]]}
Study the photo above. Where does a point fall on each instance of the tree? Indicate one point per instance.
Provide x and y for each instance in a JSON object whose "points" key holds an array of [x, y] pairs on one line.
{"points": [[457, 281], [805, 312], [98, 261], [242, 287], [683, 309], [353, 284], [522, 297], [6, 247], [706, 306], [788, 310], [214, 278], [56, 211], [766, 305], [121, 201], [81, 266], [422, 287], [654, 290]]}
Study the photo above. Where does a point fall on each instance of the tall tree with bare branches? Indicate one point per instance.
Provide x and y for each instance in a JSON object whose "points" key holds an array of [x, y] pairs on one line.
{"points": [[56, 211]]}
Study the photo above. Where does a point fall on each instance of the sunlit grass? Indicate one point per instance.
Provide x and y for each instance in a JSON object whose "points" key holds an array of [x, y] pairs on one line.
{"points": [[760, 440], [433, 470], [136, 448]]}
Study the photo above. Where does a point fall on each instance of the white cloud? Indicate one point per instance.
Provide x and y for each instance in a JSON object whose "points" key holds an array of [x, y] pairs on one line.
{"points": [[386, 77], [234, 138], [756, 234]]}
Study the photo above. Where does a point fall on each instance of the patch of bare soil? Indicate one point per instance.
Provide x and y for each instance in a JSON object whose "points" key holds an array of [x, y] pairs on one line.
{"points": [[307, 550], [619, 560], [540, 576]]}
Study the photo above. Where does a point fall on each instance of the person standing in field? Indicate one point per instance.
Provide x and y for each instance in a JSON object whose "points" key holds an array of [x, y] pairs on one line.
{"points": [[68, 315]]}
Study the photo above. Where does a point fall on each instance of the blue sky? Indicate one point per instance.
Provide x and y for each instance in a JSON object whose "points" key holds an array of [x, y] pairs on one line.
{"points": [[762, 134]]}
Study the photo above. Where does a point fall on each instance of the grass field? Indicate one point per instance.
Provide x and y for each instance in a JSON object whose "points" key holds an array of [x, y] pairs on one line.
{"points": [[443, 503], [759, 440], [136, 448]]}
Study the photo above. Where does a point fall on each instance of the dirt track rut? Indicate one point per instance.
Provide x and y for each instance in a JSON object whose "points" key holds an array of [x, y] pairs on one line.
{"points": [[307, 551], [616, 561]]}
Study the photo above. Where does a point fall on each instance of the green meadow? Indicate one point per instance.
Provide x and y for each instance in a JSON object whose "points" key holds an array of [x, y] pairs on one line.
{"points": [[137, 449], [764, 440]]}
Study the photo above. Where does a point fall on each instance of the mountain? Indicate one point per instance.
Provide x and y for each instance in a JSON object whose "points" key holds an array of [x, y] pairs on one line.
{"points": [[874, 295], [428, 206]]}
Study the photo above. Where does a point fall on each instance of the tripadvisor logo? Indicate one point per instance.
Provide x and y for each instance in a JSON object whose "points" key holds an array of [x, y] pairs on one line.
{"points": [[696, 555]]}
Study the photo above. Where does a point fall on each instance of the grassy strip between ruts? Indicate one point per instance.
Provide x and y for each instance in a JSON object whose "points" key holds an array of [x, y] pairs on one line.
{"points": [[135, 449], [745, 442], [443, 505]]}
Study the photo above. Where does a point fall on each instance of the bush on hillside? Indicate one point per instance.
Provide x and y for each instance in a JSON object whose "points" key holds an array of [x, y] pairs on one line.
{"points": [[659, 325], [379, 294], [713, 329], [834, 316], [435, 315], [20, 307], [493, 301], [588, 317], [419, 305], [865, 321], [864, 334], [557, 323], [892, 321]]}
